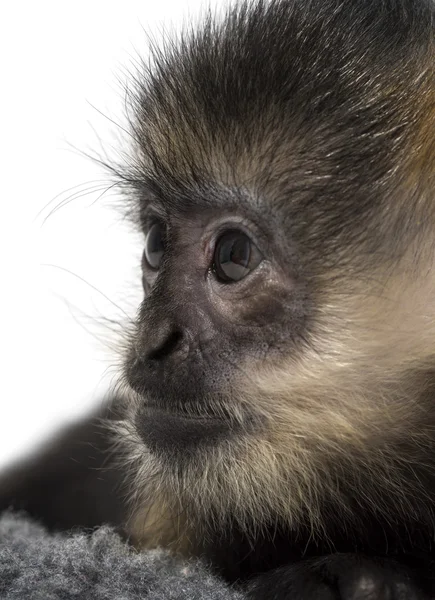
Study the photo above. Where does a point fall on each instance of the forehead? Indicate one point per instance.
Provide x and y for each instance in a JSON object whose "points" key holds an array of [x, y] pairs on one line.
{"points": [[307, 110]]}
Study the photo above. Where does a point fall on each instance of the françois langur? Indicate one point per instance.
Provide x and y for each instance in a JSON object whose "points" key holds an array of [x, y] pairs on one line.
{"points": [[278, 404]]}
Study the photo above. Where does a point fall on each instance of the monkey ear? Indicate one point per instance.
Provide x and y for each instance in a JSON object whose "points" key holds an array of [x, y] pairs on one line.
{"points": [[70, 482]]}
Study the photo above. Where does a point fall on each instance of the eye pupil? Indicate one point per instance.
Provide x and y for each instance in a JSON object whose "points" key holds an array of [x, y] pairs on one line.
{"points": [[235, 257], [154, 246]]}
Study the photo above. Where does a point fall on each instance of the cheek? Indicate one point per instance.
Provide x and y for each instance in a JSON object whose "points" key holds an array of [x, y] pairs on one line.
{"points": [[279, 319], [264, 305], [264, 309]]}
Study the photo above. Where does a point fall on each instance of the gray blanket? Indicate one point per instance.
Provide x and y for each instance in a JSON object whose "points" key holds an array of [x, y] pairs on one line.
{"points": [[36, 565]]}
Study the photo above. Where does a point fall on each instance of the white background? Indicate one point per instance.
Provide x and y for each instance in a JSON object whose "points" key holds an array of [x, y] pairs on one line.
{"points": [[64, 272]]}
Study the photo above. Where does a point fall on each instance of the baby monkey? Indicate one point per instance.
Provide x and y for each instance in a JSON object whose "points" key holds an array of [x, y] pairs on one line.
{"points": [[278, 415]]}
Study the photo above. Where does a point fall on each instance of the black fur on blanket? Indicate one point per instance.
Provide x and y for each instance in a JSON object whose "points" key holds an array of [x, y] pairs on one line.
{"points": [[37, 565]]}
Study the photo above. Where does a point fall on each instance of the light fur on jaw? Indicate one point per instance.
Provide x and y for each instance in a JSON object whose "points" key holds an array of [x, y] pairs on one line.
{"points": [[337, 412]]}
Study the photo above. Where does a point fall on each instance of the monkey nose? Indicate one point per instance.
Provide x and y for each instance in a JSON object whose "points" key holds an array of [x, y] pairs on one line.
{"points": [[162, 341]]}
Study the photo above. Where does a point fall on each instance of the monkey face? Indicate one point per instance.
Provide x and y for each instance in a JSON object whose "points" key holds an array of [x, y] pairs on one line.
{"points": [[285, 344], [217, 293]]}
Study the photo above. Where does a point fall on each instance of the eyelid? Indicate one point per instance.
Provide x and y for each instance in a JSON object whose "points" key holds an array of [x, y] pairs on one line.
{"points": [[217, 228], [153, 214]]}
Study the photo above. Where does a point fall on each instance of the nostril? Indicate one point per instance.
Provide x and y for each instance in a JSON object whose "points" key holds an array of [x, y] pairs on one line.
{"points": [[167, 346]]}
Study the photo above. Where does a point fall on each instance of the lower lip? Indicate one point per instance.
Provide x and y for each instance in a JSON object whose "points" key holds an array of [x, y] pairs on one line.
{"points": [[163, 430], [175, 414]]}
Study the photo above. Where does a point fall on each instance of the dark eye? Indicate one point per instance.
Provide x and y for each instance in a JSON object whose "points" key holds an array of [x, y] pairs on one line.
{"points": [[154, 245], [235, 256]]}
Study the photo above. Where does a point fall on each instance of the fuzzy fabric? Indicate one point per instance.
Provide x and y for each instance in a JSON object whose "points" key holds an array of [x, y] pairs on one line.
{"points": [[36, 565]]}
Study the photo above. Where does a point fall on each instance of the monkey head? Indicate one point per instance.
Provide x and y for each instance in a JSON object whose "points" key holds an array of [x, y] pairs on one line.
{"points": [[282, 174]]}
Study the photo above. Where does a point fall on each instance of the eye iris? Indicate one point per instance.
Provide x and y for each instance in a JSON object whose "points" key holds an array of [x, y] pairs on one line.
{"points": [[154, 246], [234, 257]]}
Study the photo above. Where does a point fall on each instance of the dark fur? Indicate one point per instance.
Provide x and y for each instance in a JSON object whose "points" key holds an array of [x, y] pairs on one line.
{"points": [[310, 125]]}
